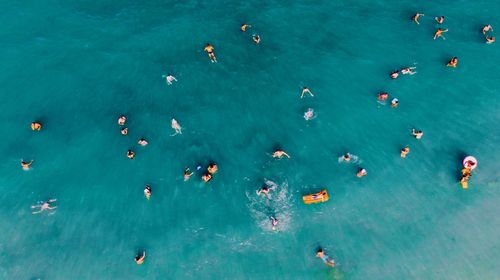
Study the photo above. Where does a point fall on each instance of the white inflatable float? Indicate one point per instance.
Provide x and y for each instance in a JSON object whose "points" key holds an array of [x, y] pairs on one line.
{"points": [[470, 162]]}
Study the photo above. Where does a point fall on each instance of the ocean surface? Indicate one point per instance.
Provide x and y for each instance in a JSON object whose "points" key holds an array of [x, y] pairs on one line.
{"points": [[76, 66]]}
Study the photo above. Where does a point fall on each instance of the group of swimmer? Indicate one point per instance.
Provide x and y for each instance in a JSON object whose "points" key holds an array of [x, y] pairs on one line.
{"points": [[268, 185], [439, 32], [124, 131]]}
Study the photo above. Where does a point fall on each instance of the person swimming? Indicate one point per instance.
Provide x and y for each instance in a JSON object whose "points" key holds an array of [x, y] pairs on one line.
{"points": [[346, 157], [453, 62], [408, 71], [187, 174], [175, 125], [416, 16], [244, 27], [36, 126], [394, 103], [44, 206], [490, 40], [306, 90], [383, 96], [130, 154], [439, 33], [26, 165], [394, 74], [325, 258], [274, 223], [256, 39], [309, 114], [169, 79], [417, 133], [487, 28], [147, 192], [206, 177], [267, 187], [121, 120], [280, 154], [212, 168], [139, 258], [361, 172], [439, 20], [210, 51], [405, 151], [124, 131], [142, 142]]}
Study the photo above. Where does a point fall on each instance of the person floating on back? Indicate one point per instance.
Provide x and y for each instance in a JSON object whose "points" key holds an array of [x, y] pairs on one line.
{"points": [[210, 51], [175, 125]]}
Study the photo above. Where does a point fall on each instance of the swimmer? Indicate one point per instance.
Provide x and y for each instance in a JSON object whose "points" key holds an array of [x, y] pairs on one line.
{"points": [[36, 126], [309, 114], [416, 16], [244, 27], [44, 206], [130, 154], [394, 103], [405, 151], [256, 39], [175, 125], [383, 96], [418, 134], [267, 187], [170, 79], [122, 120], [26, 165], [147, 192], [210, 51], [124, 131], [139, 259], [453, 62], [206, 177], [280, 154], [395, 74], [490, 40], [187, 174], [326, 259], [346, 157], [440, 19], [142, 142], [487, 28], [212, 168], [306, 90], [408, 71], [361, 173], [274, 222], [439, 33]]}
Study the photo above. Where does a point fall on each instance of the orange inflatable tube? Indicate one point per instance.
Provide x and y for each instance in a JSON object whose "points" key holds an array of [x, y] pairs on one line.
{"points": [[321, 196]]}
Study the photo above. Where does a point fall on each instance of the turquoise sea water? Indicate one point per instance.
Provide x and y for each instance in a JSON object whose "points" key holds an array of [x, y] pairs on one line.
{"points": [[76, 66]]}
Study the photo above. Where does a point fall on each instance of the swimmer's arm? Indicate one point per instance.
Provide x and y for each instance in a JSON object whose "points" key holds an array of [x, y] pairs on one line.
{"points": [[36, 212], [50, 208], [286, 154]]}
